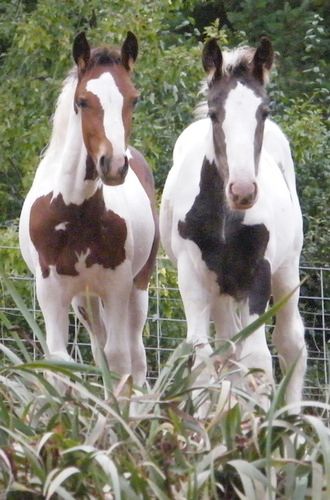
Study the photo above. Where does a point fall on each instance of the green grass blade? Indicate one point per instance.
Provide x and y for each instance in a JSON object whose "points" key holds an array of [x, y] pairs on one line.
{"points": [[268, 315], [324, 437], [52, 485], [25, 312]]}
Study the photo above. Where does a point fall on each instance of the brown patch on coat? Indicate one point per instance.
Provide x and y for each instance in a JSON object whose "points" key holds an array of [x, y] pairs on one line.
{"points": [[90, 230], [144, 174]]}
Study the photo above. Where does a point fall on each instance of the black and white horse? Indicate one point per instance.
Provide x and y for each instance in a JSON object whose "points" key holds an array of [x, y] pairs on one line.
{"points": [[230, 217]]}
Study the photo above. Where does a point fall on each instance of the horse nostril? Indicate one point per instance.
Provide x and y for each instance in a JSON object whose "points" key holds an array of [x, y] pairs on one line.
{"points": [[105, 164], [251, 196], [233, 192], [124, 167]]}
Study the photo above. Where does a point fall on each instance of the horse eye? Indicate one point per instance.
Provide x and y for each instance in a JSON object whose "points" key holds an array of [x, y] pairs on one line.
{"points": [[82, 103]]}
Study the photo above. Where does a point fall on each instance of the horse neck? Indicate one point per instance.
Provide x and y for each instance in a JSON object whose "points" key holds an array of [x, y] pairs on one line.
{"points": [[69, 152]]}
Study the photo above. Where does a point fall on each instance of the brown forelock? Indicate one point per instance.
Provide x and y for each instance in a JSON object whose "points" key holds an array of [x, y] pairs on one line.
{"points": [[88, 227], [144, 174], [103, 56]]}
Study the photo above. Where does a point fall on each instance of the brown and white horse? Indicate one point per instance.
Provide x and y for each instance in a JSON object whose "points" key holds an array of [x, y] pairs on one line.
{"points": [[230, 216], [88, 227]]}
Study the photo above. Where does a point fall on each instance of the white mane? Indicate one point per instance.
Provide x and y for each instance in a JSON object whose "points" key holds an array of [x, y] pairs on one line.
{"points": [[62, 112]]}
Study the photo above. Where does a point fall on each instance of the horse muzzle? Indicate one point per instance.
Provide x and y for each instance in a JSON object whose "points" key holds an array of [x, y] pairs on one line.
{"points": [[112, 170], [242, 195]]}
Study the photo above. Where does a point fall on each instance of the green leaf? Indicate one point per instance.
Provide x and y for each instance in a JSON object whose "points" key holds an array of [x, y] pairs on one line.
{"points": [[25, 312], [55, 480]]}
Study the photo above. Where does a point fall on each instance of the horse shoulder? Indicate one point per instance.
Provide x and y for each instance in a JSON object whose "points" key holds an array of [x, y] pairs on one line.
{"points": [[144, 228], [143, 172], [191, 147], [278, 210], [182, 183], [41, 186]]}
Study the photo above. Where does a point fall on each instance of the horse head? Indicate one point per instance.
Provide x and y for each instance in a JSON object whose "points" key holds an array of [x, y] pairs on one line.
{"points": [[105, 98], [238, 108]]}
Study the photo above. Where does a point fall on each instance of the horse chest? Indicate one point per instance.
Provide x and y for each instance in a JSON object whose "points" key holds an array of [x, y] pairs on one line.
{"points": [[67, 235], [233, 251]]}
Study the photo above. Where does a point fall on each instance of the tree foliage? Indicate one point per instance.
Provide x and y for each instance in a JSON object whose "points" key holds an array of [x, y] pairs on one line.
{"points": [[36, 38]]}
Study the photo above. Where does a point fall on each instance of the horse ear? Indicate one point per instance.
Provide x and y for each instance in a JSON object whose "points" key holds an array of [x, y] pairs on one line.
{"points": [[263, 59], [81, 52], [212, 59], [129, 51]]}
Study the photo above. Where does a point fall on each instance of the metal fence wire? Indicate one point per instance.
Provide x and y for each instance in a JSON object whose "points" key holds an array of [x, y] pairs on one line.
{"points": [[166, 325]]}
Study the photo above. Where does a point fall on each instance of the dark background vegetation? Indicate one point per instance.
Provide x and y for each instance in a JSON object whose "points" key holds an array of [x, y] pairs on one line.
{"points": [[35, 43]]}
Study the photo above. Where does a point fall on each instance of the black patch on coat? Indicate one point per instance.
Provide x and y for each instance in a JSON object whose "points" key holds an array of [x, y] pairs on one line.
{"points": [[234, 251]]}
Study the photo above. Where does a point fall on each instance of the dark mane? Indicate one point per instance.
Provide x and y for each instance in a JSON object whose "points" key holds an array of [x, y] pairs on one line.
{"points": [[103, 56], [237, 62]]}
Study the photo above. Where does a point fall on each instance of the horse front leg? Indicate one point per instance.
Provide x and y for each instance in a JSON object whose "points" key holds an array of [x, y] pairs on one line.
{"points": [[197, 305], [255, 358], [88, 309], [138, 309], [54, 304], [196, 300], [115, 315], [230, 317], [289, 333]]}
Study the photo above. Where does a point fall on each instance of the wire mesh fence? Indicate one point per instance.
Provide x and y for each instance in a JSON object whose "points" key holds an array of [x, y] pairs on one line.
{"points": [[166, 326]]}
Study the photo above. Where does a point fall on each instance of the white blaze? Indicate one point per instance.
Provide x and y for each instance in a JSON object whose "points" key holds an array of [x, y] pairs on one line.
{"points": [[239, 128], [105, 88]]}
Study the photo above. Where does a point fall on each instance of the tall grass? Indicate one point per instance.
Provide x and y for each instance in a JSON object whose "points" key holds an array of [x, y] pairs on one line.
{"points": [[106, 439]]}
